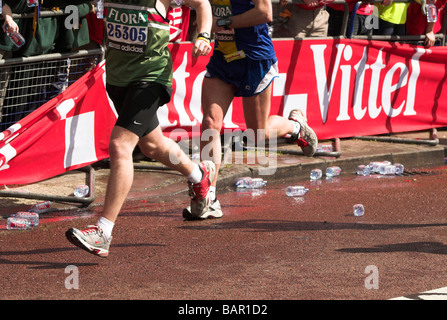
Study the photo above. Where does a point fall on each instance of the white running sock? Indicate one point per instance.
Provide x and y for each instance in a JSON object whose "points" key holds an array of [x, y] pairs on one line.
{"points": [[296, 129], [213, 193], [196, 175], [106, 226]]}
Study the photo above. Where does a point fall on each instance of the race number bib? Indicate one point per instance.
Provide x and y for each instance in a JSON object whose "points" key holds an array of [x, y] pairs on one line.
{"points": [[127, 29], [226, 38]]}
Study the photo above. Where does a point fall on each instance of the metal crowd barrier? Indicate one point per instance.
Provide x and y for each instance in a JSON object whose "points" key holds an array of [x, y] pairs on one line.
{"points": [[27, 83]]}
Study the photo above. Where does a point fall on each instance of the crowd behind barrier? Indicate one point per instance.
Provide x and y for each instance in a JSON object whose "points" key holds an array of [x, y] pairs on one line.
{"points": [[358, 20], [53, 56]]}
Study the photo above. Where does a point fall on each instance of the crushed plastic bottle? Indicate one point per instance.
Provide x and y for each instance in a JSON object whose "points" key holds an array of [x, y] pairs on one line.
{"points": [[363, 170], [316, 174], [333, 171], [41, 207], [81, 191], [248, 182], [296, 191], [32, 217], [358, 210], [13, 223]]}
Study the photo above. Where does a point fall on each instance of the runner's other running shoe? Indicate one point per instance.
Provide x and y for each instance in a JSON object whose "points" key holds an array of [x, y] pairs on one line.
{"points": [[307, 139], [91, 239], [214, 211], [199, 192]]}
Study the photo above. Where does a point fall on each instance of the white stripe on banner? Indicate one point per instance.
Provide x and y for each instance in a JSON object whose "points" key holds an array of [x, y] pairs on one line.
{"points": [[436, 294], [80, 139]]}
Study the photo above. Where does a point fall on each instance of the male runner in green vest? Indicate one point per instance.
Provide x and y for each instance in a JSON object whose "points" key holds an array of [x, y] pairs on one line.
{"points": [[139, 79]]}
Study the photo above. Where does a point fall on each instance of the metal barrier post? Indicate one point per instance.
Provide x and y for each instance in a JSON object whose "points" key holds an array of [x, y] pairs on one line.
{"points": [[86, 201], [433, 141]]}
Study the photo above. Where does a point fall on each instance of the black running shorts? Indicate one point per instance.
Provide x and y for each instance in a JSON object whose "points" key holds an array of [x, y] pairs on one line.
{"points": [[137, 105]]}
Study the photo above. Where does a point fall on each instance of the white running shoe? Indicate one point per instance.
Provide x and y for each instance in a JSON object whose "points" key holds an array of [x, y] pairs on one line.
{"points": [[91, 239], [307, 139], [200, 192], [214, 211]]}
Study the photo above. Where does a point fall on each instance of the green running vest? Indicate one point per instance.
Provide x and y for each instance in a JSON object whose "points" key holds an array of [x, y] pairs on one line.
{"points": [[137, 43]]}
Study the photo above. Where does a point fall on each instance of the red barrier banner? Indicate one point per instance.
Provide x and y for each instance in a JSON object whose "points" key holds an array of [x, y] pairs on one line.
{"points": [[345, 87], [70, 131]]}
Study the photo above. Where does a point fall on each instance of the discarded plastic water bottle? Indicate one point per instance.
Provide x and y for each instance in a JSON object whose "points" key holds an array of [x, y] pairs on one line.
{"points": [[363, 170], [359, 210], [375, 166], [399, 168], [296, 191], [247, 182], [40, 207], [32, 217], [13, 223], [333, 171], [100, 9], [1, 6], [316, 174], [387, 170], [257, 183], [243, 182], [81, 191]]}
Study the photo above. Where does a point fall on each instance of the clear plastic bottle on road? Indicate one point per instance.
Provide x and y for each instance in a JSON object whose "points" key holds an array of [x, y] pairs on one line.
{"points": [[359, 210], [333, 171], [375, 165], [32, 217], [399, 168], [13, 223], [248, 182], [296, 191], [316, 174], [363, 170], [387, 170], [81, 191], [243, 182], [41, 207]]}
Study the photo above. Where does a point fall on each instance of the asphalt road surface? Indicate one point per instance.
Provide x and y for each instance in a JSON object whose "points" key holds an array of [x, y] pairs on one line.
{"points": [[266, 247]]}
